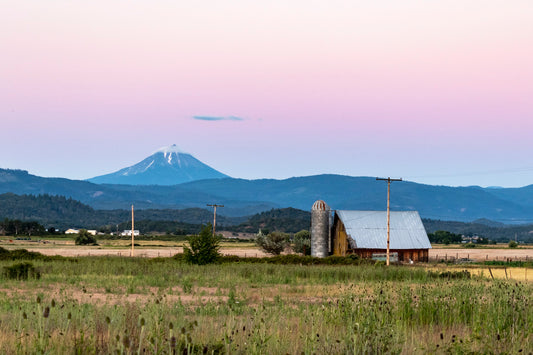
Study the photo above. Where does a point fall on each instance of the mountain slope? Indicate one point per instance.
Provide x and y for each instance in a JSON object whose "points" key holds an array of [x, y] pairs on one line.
{"points": [[247, 197], [167, 166], [365, 193], [109, 197]]}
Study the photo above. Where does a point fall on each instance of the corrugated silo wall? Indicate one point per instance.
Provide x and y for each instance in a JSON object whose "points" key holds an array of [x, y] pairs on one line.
{"points": [[319, 233]]}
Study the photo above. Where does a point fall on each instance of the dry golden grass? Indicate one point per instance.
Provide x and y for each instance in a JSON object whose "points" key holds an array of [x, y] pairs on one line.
{"points": [[498, 272]]}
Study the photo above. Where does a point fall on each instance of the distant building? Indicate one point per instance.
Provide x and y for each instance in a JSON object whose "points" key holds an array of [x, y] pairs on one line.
{"points": [[77, 231], [126, 232], [470, 239]]}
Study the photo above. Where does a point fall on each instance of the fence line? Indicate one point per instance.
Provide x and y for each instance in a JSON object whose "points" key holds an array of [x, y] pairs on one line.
{"points": [[455, 258]]}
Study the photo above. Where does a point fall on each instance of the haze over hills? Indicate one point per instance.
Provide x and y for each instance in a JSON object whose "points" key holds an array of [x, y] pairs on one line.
{"points": [[247, 197], [167, 166]]}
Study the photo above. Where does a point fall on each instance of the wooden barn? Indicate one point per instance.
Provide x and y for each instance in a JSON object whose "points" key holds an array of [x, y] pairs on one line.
{"points": [[365, 233]]}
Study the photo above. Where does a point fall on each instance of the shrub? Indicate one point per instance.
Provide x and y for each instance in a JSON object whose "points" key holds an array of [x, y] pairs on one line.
{"points": [[4, 253], [85, 238], [470, 245], [465, 274], [203, 248], [273, 243], [23, 254], [21, 271], [513, 244], [302, 242]]}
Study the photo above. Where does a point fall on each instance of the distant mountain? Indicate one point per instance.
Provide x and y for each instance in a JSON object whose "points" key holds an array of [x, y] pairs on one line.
{"points": [[488, 222], [109, 197], [247, 197], [365, 193], [167, 166]]}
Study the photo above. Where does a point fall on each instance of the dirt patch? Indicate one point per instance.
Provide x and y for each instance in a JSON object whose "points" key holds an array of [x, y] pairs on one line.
{"points": [[73, 251]]}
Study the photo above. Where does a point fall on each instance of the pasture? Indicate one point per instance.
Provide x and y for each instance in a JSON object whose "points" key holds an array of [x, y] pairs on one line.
{"points": [[109, 304]]}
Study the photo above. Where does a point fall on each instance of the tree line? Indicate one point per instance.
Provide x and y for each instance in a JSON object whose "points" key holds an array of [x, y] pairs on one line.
{"points": [[20, 228], [58, 212]]}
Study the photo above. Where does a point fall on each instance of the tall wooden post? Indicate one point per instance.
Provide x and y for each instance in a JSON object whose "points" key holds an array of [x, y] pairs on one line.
{"points": [[132, 232], [215, 215], [388, 180]]}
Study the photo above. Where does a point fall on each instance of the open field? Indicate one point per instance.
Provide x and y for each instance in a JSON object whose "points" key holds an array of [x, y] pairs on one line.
{"points": [[162, 306], [479, 254], [66, 247]]}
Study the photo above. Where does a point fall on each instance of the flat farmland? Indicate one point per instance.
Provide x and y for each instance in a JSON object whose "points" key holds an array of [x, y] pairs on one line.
{"points": [[151, 249], [482, 254]]}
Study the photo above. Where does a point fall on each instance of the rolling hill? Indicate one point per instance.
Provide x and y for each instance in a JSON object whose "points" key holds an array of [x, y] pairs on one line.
{"points": [[248, 197]]}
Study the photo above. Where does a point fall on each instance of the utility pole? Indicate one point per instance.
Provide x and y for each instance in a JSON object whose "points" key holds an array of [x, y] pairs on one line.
{"points": [[132, 231], [388, 180], [214, 215]]}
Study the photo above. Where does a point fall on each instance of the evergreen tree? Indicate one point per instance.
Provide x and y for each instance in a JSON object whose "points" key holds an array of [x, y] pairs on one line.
{"points": [[85, 238], [203, 248]]}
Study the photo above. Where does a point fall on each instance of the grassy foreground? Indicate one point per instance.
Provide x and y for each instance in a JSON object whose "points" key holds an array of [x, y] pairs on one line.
{"points": [[105, 305]]}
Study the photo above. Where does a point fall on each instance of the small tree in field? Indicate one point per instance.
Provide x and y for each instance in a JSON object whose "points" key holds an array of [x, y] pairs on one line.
{"points": [[273, 243], [513, 244], [85, 238], [203, 248], [302, 242]]}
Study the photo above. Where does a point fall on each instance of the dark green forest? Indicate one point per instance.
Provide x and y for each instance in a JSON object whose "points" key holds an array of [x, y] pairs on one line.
{"points": [[287, 220], [31, 215], [62, 213]]}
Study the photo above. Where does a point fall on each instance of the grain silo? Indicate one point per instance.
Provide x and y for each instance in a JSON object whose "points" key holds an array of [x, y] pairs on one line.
{"points": [[320, 233]]}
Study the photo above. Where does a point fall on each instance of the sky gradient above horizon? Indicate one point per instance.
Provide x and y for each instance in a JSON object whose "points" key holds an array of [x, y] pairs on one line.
{"points": [[436, 92]]}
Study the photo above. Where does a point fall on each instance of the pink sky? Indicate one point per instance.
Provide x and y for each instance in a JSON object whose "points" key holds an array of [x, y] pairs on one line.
{"points": [[436, 92]]}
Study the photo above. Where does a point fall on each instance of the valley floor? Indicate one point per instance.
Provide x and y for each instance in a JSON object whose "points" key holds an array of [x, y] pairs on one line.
{"points": [[153, 249]]}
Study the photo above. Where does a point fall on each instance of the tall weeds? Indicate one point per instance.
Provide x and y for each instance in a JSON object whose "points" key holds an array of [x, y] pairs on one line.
{"points": [[133, 306]]}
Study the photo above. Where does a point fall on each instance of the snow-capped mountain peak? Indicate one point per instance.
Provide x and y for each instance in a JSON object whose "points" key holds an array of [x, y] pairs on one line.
{"points": [[171, 149], [167, 166]]}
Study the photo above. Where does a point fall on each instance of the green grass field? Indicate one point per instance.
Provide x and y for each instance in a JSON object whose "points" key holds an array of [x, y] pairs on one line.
{"points": [[105, 305]]}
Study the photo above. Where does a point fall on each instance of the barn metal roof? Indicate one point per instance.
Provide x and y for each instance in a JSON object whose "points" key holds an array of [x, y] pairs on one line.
{"points": [[368, 230]]}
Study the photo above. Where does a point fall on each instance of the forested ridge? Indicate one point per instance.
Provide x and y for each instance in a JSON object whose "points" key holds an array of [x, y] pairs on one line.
{"points": [[62, 213]]}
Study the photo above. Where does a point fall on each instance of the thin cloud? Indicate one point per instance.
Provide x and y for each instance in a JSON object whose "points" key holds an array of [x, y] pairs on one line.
{"points": [[218, 118]]}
